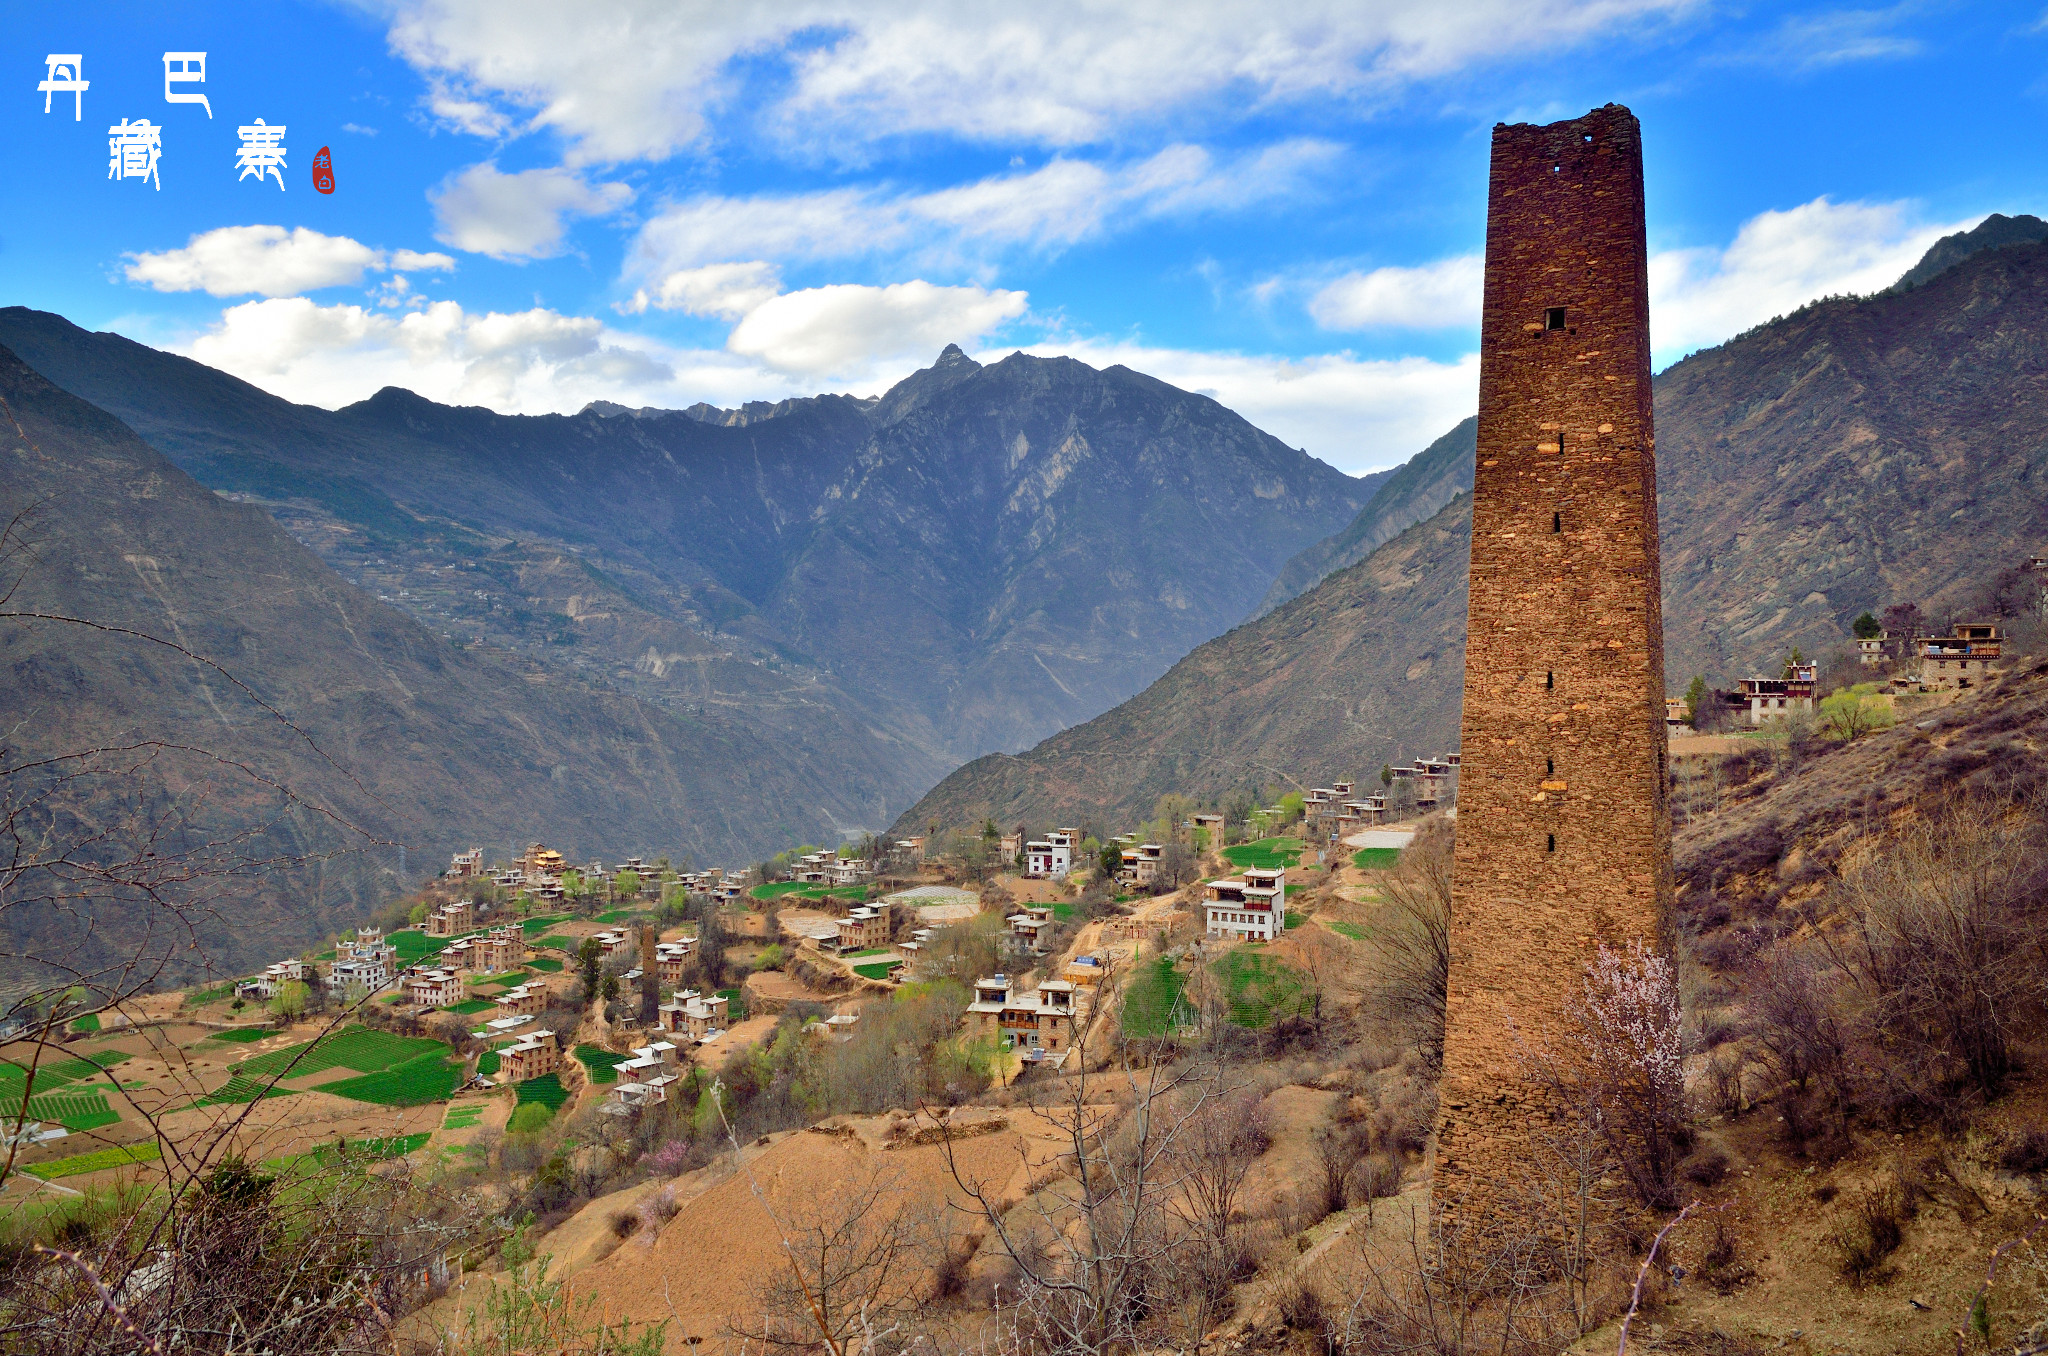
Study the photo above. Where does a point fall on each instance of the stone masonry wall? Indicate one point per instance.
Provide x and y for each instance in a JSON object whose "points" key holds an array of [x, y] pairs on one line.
{"points": [[1562, 834]]}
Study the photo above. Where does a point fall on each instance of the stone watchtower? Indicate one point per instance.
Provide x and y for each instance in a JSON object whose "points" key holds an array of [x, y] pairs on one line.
{"points": [[1562, 836]]}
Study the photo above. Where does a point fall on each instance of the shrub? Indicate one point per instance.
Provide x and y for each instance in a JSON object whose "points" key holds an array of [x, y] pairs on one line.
{"points": [[1875, 1229], [1705, 1166], [2026, 1152], [530, 1118]]}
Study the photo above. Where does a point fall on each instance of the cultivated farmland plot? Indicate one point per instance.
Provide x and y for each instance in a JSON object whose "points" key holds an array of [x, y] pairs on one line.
{"points": [[394, 1070]]}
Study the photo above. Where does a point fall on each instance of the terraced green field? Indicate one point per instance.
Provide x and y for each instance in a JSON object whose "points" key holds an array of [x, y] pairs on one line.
{"points": [[352, 1047], [547, 964], [247, 1035], [1261, 988], [99, 1160], [1376, 859], [598, 1061], [1153, 1003], [878, 970], [416, 1082], [785, 889], [56, 1100], [469, 1006], [463, 1115], [487, 1063], [1266, 854], [240, 1087], [547, 1090], [1351, 930], [533, 925]]}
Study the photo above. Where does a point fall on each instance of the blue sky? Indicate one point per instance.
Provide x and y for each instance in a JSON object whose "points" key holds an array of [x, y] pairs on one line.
{"points": [[540, 204]]}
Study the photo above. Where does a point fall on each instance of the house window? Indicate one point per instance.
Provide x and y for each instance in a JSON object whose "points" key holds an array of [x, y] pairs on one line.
{"points": [[1553, 318]]}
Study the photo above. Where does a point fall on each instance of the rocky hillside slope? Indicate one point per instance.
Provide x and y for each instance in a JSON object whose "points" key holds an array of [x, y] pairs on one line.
{"points": [[1362, 670], [1413, 492], [415, 741], [1857, 453]]}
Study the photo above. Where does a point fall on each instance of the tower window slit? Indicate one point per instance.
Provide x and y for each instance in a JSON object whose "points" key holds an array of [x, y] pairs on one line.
{"points": [[1557, 522], [1550, 842], [1549, 682], [1550, 767]]}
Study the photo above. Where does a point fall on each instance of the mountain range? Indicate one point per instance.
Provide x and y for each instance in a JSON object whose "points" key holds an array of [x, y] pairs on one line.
{"points": [[1859, 452], [750, 627]]}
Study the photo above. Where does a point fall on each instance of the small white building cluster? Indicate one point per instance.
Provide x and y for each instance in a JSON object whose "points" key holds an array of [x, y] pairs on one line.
{"points": [[1052, 857], [1251, 907]]}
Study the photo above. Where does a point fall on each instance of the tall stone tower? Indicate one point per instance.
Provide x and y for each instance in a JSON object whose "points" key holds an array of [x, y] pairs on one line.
{"points": [[1562, 833]]}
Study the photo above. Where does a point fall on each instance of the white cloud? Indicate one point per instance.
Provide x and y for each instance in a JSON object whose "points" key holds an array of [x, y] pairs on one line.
{"points": [[529, 362], [1043, 209], [848, 331], [1357, 414], [1778, 261], [642, 79], [1836, 37], [412, 261], [728, 290], [516, 216], [1442, 295], [270, 261]]}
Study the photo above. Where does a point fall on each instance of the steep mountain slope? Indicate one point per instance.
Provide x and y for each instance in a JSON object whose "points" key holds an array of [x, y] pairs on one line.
{"points": [[1994, 232], [1856, 453], [1410, 494], [431, 746], [979, 557], [1364, 669]]}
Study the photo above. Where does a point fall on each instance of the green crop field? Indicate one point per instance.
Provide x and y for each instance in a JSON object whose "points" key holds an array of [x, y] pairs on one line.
{"points": [[547, 1090], [599, 1061], [487, 1063], [1291, 919], [1351, 930], [416, 1082], [247, 1035], [1266, 854], [1261, 988], [240, 1087], [545, 964], [1376, 859], [201, 997], [558, 943], [878, 970], [98, 1161], [871, 951], [89, 1022], [471, 1005], [352, 1047], [1153, 1003], [75, 1109], [784, 888], [735, 1005], [463, 1115], [414, 946], [621, 915], [55, 1100], [1065, 912], [533, 925]]}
